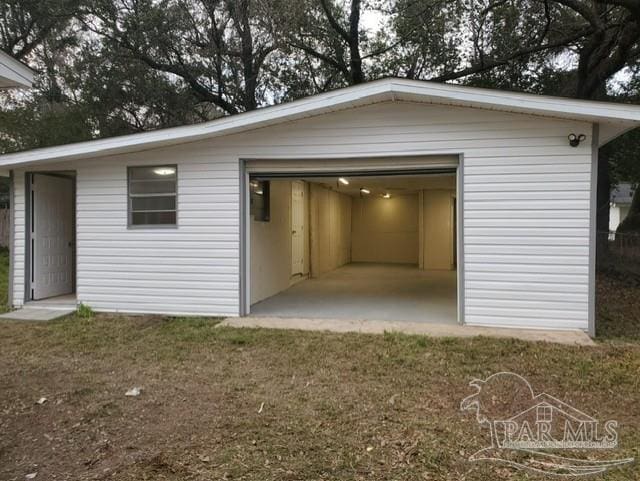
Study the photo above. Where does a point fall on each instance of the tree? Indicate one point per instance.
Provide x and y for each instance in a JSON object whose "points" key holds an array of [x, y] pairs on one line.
{"points": [[625, 161], [40, 32], [26, 24], [325, 32], [217, 48]]}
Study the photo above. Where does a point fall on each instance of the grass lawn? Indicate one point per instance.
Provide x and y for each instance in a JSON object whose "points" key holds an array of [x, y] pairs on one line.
{"points": [[222, 403]]}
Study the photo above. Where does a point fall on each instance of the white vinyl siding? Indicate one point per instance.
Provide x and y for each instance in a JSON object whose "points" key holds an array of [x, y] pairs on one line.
{"points": [[526, 211]]}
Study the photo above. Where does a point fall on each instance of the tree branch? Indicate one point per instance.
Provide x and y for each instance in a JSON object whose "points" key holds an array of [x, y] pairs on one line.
{"points": [[491, 64]]}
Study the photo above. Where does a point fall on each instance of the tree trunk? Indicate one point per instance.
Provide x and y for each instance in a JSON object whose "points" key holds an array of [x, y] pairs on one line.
{"points": [[357, 76]]}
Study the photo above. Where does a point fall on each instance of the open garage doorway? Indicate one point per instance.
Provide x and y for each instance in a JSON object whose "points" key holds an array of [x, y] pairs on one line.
{"points": [[358, 245]]}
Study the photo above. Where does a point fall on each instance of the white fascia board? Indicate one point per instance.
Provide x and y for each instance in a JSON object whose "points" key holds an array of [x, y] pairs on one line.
{"points": [[315, 105], [616, 117], [558, 107], [13, 73]]}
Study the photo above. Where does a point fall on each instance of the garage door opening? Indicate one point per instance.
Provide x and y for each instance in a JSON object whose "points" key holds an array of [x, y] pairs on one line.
{"points": [[354, 246]]}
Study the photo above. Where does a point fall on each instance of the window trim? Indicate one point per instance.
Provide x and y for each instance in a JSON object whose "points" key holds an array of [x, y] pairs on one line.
{"points": [[130, 224]]}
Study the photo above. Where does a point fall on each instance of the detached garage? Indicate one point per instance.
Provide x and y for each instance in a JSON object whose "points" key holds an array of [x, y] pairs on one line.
{"points": [[394, 199]]}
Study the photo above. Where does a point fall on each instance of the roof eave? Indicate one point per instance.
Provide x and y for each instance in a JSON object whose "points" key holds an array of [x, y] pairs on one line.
{"points": [[614, 119], [192, 133], [15, 74]]}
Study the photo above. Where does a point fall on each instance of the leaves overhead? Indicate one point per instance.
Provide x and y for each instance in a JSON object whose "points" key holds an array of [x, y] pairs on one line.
{"points": [[108, 67]]}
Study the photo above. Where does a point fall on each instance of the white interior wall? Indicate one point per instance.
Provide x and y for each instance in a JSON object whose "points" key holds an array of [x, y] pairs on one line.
{"points": [[385, 230], [438, 229], [271, 245], [330, 229]]}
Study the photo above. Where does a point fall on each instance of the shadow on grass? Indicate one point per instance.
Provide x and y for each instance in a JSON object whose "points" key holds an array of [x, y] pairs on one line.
{"points": [[618, 305]]}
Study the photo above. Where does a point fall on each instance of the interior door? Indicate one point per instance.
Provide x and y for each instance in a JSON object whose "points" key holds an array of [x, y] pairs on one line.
{"points": [[297, 227], [52, 236]]}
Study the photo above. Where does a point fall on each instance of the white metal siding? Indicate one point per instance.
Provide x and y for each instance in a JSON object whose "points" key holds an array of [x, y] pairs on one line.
{"points": [[192, 269], [526, 212], [18, 253]]}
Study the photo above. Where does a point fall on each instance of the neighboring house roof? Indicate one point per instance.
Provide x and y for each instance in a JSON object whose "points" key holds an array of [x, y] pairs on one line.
{"points": [[622, 193], [614, 119], [14, 74]]}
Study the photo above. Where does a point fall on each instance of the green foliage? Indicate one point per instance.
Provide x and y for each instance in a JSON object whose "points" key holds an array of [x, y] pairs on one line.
{"points": [[112, 67], [84, 311]]}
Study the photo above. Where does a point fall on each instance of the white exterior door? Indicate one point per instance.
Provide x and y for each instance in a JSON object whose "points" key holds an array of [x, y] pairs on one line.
{"points": [[297, 228], [53, 236]]}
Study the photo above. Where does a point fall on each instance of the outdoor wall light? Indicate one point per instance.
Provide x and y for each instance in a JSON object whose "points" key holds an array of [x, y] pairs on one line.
{"points": [[364, 191], [343, 181], [574, 140]]}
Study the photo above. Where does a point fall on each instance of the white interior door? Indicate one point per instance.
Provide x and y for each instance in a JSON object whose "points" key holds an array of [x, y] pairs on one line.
{"points": [[53, 236], [297, 227]]}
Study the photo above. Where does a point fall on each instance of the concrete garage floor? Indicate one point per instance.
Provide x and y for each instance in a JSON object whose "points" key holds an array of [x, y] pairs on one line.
{"points": [[363, 291]]}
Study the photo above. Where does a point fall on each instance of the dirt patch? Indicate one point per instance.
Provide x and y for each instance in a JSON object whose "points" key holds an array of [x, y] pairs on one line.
{"points": [[222, 403]]}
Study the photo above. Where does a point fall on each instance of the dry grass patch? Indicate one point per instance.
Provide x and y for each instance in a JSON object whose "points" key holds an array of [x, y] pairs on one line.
{"points": [[334, 406], [618, 305]]}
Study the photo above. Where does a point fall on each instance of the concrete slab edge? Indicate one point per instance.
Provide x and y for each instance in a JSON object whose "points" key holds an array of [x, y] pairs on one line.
{"points": [[572, 337]]}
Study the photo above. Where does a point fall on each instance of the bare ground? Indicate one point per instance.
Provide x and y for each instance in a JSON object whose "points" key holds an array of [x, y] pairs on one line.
{"points": [[222, 403], [618, 304]]}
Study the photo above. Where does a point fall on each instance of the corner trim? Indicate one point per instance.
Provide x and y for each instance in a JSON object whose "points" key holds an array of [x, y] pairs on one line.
{"points": [[460, 240], [245, 243], [12, 238], [591, 329], [27, 236]]}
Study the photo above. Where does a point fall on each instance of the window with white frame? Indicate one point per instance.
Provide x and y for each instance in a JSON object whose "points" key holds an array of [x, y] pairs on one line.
{"points": [[153, 195]]}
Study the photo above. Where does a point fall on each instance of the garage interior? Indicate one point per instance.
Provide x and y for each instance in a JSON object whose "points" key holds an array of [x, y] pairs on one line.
{"points": [[358, 247]]}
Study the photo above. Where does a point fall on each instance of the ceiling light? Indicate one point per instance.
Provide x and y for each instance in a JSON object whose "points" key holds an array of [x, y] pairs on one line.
{"points": [[343, 181], [164, 171], [253, 184], [364, 191], [387, 196], [259, 192]]}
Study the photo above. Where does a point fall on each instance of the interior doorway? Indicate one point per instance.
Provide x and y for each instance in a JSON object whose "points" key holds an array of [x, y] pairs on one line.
{"points": [[297, 227], [51, 235]]}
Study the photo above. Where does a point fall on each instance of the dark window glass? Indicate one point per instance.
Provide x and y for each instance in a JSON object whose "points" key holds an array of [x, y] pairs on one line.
{"points": [[153, 187], [153, 218], [153, 203], [152, 195], [260, 200]]}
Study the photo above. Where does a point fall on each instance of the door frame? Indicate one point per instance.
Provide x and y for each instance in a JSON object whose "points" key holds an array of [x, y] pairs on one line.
{"points": [[28, 228], [276, 168], [301, 184]]}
